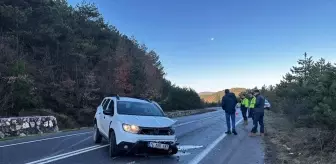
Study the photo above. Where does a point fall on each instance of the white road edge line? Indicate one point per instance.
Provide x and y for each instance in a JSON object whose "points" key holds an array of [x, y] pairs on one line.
{"points": [[68, 154], [77, 143], [20, 143], [206, 151]]}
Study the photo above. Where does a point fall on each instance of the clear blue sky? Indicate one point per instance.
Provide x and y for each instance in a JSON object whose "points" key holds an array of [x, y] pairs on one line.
{"points": [[254, 42]]}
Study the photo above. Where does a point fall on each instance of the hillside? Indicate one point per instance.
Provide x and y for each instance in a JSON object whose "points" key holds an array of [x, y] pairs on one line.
{"points": [[217, 96], [206, 93], [59, 60]]}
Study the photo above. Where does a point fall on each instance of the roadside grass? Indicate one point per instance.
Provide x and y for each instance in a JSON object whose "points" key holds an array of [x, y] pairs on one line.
{"points": [[287, 144], [10, 138], [193, 112]]}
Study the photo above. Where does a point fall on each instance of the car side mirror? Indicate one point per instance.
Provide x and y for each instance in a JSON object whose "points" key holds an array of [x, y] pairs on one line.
{"points": [[106, 112]]}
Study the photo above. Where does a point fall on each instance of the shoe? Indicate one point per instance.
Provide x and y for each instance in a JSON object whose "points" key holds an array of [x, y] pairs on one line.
{"points": [[234, 132], [245, 122], [262, 134], [228, 132], [252, 134]]}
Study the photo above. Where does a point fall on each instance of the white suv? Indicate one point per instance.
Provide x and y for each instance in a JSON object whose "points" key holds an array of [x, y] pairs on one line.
{"points": [[267, 105], [134, 125]]}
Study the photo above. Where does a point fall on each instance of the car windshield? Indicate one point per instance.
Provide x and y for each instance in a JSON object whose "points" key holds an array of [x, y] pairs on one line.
{"points": [[138, 108]]}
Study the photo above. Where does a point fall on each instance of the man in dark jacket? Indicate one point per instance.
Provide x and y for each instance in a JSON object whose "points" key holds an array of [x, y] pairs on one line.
{"points": [[258, 114], [229, 102]]}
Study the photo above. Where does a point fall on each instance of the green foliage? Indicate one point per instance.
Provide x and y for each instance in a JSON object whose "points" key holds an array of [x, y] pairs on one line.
{"points": [[66, 59], [307, 94], [18, 68], [177, 98]]}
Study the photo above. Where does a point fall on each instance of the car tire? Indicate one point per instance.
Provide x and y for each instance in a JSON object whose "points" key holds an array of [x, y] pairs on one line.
{"points": [[113, 149], [174, 150], [97, 137]]}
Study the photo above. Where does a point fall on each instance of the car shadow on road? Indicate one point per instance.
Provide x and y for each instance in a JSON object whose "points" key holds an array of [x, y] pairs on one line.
{"points": [[131, 158]]}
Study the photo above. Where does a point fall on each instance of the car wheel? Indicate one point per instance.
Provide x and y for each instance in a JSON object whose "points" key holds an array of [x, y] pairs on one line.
{"points": [[173, 151], [97, 137], [113, 149]]}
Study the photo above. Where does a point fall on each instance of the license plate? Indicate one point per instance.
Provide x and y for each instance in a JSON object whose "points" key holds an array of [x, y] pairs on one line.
{"points": [[158, 145]]}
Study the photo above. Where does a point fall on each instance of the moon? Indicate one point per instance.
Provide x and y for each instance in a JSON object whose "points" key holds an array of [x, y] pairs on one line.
{"points": [[212, 39]]}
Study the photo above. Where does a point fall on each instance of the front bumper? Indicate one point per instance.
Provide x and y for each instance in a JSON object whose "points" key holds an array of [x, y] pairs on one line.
{"points": [[140, 147]]}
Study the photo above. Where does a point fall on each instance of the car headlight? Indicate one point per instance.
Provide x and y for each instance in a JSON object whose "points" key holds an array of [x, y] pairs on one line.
{"points": [[131, 128], [171, 131]]}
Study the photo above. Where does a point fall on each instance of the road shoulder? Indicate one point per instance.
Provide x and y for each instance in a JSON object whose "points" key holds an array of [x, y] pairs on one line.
{"points": [[250, 150], [240, 149]]}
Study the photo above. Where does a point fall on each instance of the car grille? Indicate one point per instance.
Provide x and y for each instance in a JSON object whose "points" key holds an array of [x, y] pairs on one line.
{"points": [[156, 131]]}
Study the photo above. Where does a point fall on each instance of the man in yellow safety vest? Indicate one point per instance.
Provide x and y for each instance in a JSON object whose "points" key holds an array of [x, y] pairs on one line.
{"points": [[252, 105], [244, 105]]}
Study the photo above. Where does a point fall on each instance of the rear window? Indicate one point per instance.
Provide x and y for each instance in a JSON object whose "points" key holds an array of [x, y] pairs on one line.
{"points": [[138, 108]]}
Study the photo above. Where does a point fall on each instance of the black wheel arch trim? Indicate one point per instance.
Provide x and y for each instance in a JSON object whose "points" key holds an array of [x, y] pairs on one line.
{"points": [[110, 128]]}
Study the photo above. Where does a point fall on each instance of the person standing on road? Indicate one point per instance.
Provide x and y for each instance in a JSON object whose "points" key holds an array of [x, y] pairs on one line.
{"points": [[243, 107], [258, 114], [251, 105], [229, 102]]}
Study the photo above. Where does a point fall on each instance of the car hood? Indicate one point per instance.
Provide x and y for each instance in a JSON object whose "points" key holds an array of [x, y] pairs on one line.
{"points": [[146, 121]]}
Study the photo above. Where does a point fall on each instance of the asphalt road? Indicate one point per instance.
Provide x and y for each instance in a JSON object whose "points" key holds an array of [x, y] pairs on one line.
{"points": [[201, 138]]}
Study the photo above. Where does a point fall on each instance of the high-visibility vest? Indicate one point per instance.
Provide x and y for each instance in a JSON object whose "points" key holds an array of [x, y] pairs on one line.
{"points": [[246, 102], [253, 102]]}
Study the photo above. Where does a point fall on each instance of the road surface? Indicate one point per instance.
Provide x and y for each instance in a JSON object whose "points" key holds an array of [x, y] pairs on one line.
{"points": [[201, 138]]}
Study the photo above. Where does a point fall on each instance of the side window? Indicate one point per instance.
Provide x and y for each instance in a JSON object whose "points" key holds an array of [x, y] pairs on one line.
{"points": [[103, 102], [106, 103], [111, 107]]}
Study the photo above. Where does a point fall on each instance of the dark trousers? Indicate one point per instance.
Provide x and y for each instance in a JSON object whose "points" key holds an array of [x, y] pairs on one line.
{"points": [[244, 112], [233, 120], [258, 118], [250, 113]]}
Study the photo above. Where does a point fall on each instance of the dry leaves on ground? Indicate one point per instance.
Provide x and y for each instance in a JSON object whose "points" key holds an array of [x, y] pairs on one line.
{"points": [[288, 144]]}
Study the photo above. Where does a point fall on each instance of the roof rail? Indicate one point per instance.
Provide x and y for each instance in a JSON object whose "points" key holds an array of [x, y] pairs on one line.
{"points": [[142, 98], [115, 95], [137, 97]]}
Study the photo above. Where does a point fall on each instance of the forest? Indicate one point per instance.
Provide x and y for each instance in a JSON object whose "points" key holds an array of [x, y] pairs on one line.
{"points": [[56, 59], [306, 97]]}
